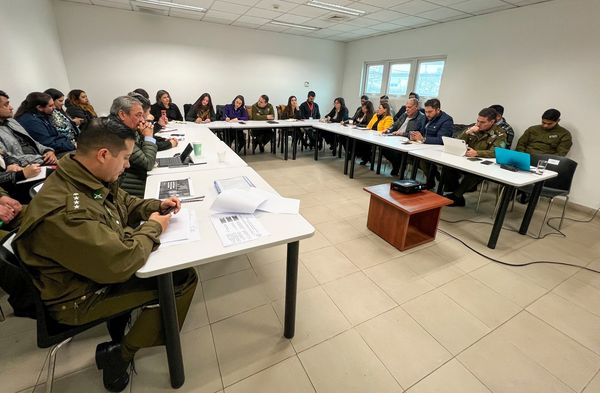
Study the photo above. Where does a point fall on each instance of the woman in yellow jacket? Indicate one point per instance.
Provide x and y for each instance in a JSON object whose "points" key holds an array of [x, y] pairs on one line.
{"points": [[382, 119]]}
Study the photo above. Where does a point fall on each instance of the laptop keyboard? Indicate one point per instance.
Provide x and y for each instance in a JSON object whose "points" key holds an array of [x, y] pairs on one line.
{"points": [[168, 161]]}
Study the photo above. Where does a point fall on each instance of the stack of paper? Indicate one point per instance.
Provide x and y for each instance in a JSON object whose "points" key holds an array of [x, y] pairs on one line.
{"points": [[252, 199]]}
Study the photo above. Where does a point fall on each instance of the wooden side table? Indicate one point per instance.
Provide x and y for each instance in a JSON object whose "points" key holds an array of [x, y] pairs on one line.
{"points": [[404, 220]]}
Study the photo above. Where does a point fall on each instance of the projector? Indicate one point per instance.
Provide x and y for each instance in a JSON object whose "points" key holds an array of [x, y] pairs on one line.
{"points": [[406, 186]]}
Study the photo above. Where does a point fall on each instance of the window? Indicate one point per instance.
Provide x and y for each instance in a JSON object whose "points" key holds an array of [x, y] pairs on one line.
{"points": [[423, 76], [374, 79]]}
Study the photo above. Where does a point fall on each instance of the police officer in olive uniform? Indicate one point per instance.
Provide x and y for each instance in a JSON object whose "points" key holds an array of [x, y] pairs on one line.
{"points": [[481, 140], [82, 236], [547, 138]]}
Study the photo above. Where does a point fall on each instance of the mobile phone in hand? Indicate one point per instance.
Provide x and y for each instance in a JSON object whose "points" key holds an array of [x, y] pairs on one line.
{"points": [[168, 210]]}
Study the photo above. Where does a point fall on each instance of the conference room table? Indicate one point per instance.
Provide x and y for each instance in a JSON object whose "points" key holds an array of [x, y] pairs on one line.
{"points": [[509, 179], [375, 138], [282, 229], [212, 146]]}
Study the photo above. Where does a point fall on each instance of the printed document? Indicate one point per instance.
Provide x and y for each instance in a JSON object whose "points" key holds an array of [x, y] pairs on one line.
{"points": [[237, 228]]}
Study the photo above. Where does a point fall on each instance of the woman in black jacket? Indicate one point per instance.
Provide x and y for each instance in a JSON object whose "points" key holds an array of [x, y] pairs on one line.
{"points": [[165, 105], [202, 111], [338, 114], [79, 108]]}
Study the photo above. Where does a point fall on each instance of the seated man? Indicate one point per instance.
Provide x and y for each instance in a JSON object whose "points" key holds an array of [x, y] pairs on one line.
{"points": [[501, 122], [17, 142], [262, 110], [82, 236], [411, 120], [34, 115], [482, 139], [309, 110], [547, 138]]}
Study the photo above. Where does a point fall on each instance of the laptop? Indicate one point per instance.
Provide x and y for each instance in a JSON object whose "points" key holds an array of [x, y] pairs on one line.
{"points": [[513, 159], [181, 159], [458, 147]]}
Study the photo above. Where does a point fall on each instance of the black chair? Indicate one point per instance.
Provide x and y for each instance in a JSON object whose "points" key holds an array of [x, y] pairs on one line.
{"points": [[186, 110], [559, 186], [51, 333]]}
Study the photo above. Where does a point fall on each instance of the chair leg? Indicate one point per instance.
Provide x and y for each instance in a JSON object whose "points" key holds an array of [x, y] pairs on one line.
{"points": [[52, 364], [484, 183], [545, 215], [562, 217], [498, 199]]}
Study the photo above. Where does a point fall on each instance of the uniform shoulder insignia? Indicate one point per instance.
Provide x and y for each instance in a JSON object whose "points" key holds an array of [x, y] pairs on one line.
{"points": [[74, 202]]}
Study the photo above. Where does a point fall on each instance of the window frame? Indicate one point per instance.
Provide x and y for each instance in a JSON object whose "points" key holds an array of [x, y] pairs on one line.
{"points": [[414, 62]]}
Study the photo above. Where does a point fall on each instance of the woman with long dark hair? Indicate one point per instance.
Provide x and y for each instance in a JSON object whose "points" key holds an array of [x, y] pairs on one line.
{"points": [[338, 114], [165, 105], [59, 117], [235, 112], [79, 108], [202, 111]]}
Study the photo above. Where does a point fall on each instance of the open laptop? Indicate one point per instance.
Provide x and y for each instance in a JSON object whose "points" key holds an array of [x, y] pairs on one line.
{"points": [[512, 158], [181, 159], [458, 147]]}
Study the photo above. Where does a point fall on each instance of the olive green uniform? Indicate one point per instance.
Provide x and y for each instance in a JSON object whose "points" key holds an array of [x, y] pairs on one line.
{"points": [[484, 143], [263, 135], [535, 139], [83, 238]]}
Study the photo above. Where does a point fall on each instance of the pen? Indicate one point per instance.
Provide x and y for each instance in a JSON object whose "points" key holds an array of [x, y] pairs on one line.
{"points": [[194, 199], [177, 134]]}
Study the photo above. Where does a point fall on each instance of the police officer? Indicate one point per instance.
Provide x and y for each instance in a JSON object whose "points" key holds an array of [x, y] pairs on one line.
{"points": [[82, 236], [547, 138], [482, 139]]}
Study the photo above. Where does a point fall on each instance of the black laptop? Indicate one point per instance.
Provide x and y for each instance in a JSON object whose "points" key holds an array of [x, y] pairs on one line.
{"points": [[178, 159]]}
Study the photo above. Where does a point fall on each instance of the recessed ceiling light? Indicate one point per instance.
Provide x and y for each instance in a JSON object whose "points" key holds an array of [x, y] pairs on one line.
{"points": [[295, 26], [166, 4], [335, 7]]}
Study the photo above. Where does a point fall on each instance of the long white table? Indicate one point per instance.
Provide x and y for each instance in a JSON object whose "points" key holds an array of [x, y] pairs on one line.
{"points": [[511, 181], [283, 229], [211, 146]]}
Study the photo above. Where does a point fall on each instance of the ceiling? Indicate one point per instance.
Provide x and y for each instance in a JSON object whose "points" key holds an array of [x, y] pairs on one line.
{"points": [[382, 16]]}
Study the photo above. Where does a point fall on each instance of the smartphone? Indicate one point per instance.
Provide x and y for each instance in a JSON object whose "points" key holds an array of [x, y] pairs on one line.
{"points": [[473, 159], [487, 162], [242, 122], [168, 210]]}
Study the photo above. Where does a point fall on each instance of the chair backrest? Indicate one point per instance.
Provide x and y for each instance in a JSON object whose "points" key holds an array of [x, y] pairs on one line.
{"points": [[186, 109], [280, 109], [458, 129], [219, 112], [565, 167], [249, 110]]}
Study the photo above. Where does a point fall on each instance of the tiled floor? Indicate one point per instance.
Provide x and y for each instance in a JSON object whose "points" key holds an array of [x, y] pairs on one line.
{"points": [[370, 319]]}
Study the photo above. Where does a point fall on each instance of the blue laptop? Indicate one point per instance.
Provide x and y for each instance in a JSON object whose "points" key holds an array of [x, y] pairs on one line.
{"points": [[513, 158]]}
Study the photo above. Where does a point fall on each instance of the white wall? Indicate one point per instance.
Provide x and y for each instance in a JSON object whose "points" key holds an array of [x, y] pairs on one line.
{"points": [[31, 57], [110, 52], [528, 59]]}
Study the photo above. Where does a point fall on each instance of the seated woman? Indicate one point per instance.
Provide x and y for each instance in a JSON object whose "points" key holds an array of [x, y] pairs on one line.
{"points": [[361, 120], [381, 121], [79, 108], [164, 106], [338, 114], [292, 111], [60, 119], [234, 112], [202, 111]]}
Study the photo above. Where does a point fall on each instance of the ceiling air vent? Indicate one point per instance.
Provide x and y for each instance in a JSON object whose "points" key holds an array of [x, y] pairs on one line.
{"points": [[337, 18]]}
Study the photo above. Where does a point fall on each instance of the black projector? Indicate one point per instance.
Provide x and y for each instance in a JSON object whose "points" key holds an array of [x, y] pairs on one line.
{"points": [[406, 186]]}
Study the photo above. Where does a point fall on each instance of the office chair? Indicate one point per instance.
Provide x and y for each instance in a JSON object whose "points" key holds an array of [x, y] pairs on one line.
{"points": [[51, 333], [186, 110]]}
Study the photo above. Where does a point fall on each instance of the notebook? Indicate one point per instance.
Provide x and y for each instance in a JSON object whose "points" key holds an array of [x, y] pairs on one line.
{"points": [[458, 147]]}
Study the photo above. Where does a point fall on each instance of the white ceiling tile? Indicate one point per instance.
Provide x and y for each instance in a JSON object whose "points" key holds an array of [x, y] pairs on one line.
{"points": [[260, 13], [324, 33], [311, 12], [415, 7], [293, 19], [225, 6], [276, 5], [368, 8], [386, 27], [252, 20], [187, 15], [384, 3], [79, 1], [270, 27], [481, 6], [342, 27], [363, 22], [198, 3], [442, 14], [409, 21], [212, 14], [319, 23], [112, 4], [445, 2], [386, 15]]}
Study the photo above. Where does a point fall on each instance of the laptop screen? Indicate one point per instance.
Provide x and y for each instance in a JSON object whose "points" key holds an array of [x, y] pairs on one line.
{"points": [[186, 152], [513, 158]]}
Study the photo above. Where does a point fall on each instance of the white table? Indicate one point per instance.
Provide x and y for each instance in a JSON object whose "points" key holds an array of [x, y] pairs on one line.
{"points": [[283, 228], [511, 181], [395, 143], [211, 145]]}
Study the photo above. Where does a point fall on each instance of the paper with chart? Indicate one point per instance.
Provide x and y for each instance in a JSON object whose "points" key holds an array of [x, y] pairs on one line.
{"points": [[237, 228], [181, 188]]}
